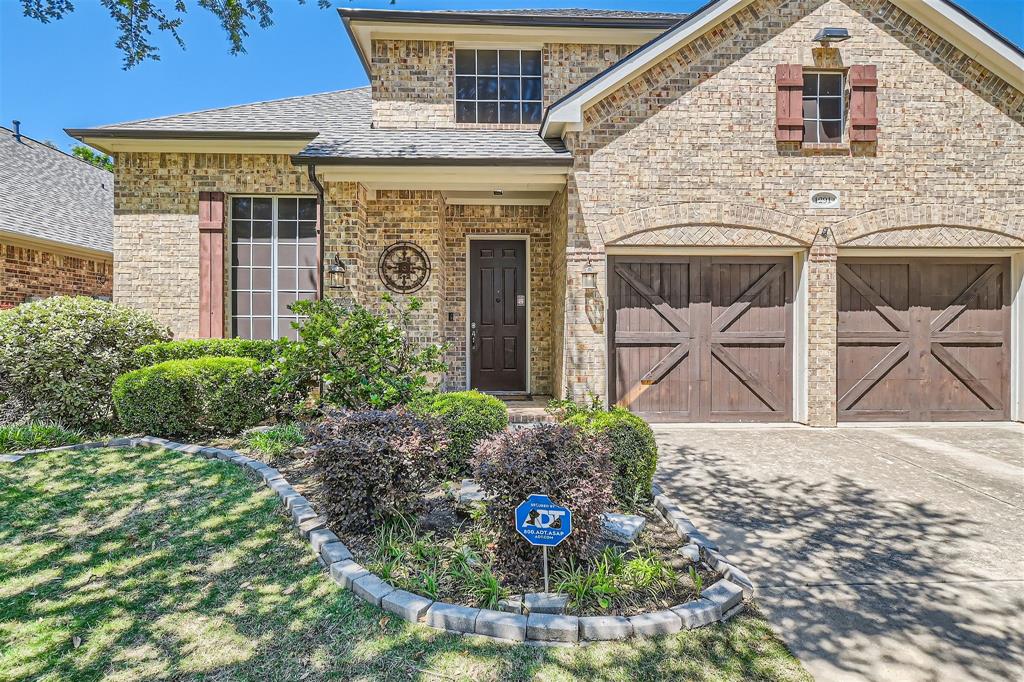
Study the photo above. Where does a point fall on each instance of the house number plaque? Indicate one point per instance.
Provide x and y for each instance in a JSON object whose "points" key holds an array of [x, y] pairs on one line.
{"points": [[404, 267]]}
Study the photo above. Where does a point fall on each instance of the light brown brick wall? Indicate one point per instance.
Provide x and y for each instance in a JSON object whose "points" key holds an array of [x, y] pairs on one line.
{"points": [[156, 224], [413, 81], [29, 272], [698, 131], [403, 215]]}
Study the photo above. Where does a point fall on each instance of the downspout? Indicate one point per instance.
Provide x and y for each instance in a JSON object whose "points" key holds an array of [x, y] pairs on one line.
{"points": [[311, 168]]}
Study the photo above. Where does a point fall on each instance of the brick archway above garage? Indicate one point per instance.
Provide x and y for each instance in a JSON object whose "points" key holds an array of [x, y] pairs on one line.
{"points": [[931, 225], [707, 224]]}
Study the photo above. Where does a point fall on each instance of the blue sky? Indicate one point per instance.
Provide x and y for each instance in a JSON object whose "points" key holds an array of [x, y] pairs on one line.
{"points": [[68, 73]]}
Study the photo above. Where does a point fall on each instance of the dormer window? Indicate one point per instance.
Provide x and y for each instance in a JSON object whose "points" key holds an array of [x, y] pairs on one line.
{"points": [[498, 86]]}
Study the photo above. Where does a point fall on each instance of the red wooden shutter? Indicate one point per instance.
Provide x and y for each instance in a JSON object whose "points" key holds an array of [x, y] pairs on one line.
{"points": [[863, 103], [789, 103], [211, 265]]}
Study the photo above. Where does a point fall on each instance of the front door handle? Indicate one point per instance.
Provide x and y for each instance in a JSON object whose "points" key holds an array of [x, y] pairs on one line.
{"points": [[472, 335]]}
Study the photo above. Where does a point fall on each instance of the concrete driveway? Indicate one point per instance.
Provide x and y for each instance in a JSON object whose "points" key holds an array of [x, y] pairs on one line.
{"points": [[890, 553]]}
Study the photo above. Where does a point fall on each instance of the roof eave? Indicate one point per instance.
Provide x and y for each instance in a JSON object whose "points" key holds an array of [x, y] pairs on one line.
{"points": [[54, 245], [136, 133], [473, 19], [114, 140], [518, 161]]}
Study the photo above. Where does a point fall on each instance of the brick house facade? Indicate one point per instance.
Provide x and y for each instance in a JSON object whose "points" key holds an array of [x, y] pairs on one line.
{"points": [[56, 217], [687, 250]]}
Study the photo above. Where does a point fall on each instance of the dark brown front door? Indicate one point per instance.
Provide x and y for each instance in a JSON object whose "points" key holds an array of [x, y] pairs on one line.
{"points": [[498, 315], [701, 338], [923, 339]]}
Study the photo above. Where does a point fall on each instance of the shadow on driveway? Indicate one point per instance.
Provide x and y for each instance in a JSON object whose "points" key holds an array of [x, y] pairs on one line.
{"points": [[875, 559]]}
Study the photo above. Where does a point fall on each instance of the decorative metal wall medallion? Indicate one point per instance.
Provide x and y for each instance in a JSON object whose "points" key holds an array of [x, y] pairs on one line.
{"points": [[404, 267]]}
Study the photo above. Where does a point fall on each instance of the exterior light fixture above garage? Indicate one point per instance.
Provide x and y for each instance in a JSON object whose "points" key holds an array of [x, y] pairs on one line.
{"points": [[832, 34]]}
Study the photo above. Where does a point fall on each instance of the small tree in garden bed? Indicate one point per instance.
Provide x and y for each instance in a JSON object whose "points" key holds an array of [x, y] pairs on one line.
{"points": [[468, 417], [570, 467], [362, 358], [634, 451], [59, 358], [372, 463]]}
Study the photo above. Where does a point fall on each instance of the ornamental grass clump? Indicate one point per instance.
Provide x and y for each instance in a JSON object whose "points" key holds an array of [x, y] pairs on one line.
{"points": [[634, 451], [567, 465], [36, 435], [59, 358], [372, 464]]}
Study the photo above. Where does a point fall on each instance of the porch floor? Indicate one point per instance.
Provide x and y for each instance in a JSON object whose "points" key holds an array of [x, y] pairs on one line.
{"points": [[529, 411]]}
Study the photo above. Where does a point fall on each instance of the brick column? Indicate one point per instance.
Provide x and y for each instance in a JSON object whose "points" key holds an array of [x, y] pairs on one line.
{"points": [[586, 348], [821, 335]]}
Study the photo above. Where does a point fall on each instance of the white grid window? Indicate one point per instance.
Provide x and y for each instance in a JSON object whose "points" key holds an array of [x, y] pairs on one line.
{"points": [[498, 86], [823, 107], [273, 263]]}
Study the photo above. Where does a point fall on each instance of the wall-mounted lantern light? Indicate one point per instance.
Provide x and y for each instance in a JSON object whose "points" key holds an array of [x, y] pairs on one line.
{"points": [[589, 276], [336, 273], [832, 34]]}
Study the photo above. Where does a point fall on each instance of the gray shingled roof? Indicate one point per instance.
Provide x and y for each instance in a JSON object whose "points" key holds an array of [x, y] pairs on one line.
{"points": [[47, 194], [342, 120]]}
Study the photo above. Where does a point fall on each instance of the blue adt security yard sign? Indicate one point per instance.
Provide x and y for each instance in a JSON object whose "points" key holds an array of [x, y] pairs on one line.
{"points": [[544, 523]]}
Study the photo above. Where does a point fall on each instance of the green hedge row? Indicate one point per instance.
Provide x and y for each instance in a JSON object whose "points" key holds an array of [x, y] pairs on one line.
{"points": [[190, 349], [203, 396]]}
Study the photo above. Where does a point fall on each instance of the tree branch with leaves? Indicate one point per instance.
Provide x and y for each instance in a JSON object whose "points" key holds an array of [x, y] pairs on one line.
{"points": [[137, 19]]}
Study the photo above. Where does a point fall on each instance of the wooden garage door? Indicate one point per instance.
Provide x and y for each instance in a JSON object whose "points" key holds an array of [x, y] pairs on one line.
{"points": [[701, 338], [923, 339]]}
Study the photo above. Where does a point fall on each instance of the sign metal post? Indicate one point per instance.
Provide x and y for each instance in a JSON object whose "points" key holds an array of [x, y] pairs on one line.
{"points": [[543, 523]]}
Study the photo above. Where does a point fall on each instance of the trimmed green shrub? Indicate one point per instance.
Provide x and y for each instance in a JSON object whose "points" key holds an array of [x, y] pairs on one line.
{"points": [[36, 435], [570, 467], [364, 359], [370, 464], [204, 396], [468, 417], [59, 358], [634, 451], [189, 349]]}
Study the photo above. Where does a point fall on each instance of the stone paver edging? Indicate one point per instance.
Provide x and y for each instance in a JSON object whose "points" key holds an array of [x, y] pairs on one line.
{"points": [[718, 602]]}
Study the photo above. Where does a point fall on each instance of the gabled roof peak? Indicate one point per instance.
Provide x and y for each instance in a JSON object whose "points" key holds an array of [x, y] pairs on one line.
{"points": [[948, 20]]}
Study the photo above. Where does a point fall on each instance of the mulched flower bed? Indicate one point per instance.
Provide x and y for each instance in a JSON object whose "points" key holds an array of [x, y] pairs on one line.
{"points": [[446, 553]]}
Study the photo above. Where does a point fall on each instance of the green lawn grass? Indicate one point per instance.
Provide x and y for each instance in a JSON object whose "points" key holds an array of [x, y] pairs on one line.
{"points": [[140, 564]]}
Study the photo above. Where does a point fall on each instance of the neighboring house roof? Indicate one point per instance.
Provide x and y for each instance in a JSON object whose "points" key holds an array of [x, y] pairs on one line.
{"points": [[951, 22], [48, 195], [337, 126]]}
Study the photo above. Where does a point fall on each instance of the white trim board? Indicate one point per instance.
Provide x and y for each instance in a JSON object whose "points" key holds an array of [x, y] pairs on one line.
{"points": [[529, 305], [1017, 336], [973, 38]]}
